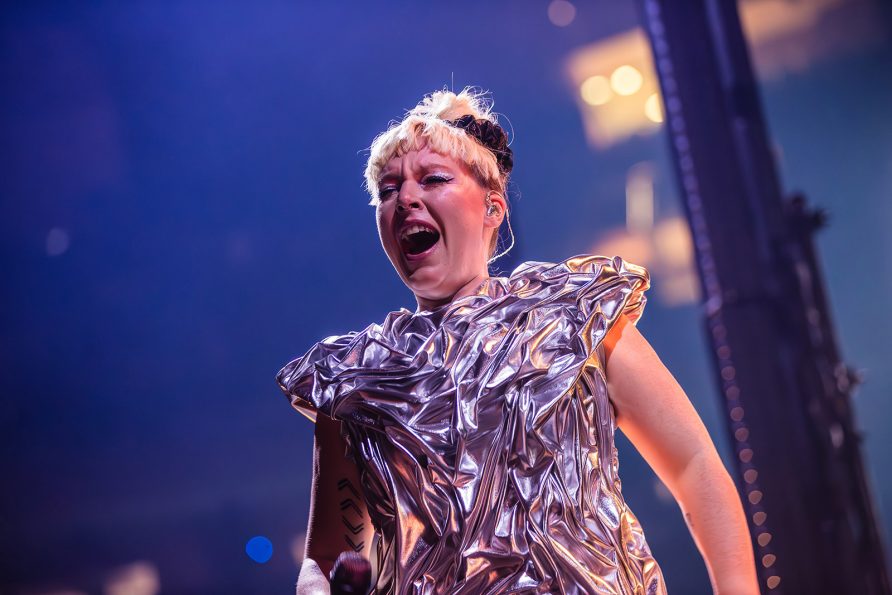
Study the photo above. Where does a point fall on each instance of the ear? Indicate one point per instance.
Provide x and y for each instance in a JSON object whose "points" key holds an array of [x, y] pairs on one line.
{"points": [[498, 215]]}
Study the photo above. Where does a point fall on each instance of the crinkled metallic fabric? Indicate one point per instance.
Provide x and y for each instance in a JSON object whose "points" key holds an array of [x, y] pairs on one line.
{"points": [[485, 437]]}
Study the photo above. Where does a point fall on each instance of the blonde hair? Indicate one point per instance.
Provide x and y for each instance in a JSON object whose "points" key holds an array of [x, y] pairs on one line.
{"points": [[425, 125]]}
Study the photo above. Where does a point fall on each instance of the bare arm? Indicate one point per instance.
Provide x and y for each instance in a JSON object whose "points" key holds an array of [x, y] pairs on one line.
{"points": [[656, 415], [339, 519]]}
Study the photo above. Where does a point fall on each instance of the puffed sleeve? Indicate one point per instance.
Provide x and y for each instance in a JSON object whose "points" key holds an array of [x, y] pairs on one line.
{"points": [[600, 289], [315, 382], [613, 286]]}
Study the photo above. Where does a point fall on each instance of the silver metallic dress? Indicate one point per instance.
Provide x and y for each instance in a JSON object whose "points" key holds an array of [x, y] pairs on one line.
{"points": [[484, 435]]}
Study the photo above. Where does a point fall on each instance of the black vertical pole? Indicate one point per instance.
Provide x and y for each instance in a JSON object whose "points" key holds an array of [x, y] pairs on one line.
{"points": [[785, 391]]}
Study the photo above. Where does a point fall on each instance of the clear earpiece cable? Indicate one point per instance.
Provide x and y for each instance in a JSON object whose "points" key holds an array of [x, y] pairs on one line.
{"points": [[508, 249]]}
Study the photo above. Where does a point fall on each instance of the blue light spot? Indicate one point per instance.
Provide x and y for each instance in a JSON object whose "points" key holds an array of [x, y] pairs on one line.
{"points": [[259, 549]]}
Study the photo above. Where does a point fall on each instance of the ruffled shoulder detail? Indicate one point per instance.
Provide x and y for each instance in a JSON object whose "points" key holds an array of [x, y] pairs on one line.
{"points": [[596, 289], [308, 380], [329, 375], [407, 359]]}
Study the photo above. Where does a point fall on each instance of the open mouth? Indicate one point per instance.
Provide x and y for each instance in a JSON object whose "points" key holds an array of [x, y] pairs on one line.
{"points": [[417, 240]]}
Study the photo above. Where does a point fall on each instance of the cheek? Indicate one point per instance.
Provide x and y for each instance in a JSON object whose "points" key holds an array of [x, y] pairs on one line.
{"points": [[384, 222], [466, 212], [472, 219]]}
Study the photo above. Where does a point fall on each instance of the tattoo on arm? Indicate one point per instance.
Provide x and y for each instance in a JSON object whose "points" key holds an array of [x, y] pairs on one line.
{"points": [[351, 514]]}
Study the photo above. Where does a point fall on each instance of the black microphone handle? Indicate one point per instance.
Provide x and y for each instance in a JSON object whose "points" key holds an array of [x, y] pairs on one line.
{"points": [[351, 575]]}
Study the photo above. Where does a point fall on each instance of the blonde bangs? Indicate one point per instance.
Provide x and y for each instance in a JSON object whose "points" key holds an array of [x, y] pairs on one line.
{"points": [[424, 126]]}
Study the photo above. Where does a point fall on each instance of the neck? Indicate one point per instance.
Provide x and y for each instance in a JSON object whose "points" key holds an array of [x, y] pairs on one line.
{"points": [[466, 289]]}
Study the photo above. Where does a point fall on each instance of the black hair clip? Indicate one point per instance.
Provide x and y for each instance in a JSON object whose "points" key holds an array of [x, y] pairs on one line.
{"points": [[490, 135]]}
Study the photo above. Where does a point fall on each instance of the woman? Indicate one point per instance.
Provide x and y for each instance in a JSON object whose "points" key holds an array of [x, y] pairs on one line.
{"points": [[474, 437]]}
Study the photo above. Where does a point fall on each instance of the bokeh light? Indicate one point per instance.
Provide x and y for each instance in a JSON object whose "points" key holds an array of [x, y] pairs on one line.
{"points": [[653, 109], [561, 13], [595, 90], [138, 578], [259, 549], [57, 242], [626, 80]]}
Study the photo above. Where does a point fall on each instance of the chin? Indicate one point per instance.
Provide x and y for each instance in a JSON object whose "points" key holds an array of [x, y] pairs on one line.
{"points": [[426, 274], [425, 286], [427, 283]]}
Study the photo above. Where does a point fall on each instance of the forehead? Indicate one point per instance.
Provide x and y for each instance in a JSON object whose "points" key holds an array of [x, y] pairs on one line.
{"points": [[418, 160]]}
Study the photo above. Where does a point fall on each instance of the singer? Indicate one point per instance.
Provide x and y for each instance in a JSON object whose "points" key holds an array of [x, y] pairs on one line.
{"points": [[475, 435]]}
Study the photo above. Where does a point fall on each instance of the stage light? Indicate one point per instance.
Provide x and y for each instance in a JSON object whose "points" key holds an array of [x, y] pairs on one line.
{"points": [[764, 539], [595, 90], [773, 582], [626, 80], [768, 560]]}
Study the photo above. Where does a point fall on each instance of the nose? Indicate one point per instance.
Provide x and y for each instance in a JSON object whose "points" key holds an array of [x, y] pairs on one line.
{"points": [[407, 197]]}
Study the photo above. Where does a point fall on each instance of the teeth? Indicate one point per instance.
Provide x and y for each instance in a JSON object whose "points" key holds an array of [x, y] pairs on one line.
{"points": [[414, 228]]}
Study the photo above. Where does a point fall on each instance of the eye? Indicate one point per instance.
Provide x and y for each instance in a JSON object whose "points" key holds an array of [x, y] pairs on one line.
{"points": [[385, 192], [436, 179]]}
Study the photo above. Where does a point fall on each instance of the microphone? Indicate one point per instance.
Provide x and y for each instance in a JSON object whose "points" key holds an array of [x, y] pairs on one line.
{"points": [[351, 574]]}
